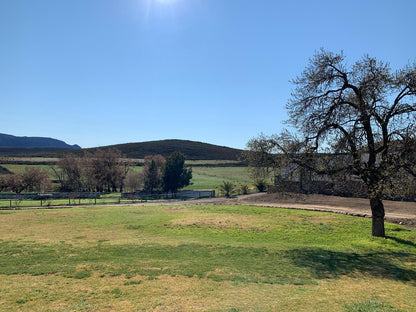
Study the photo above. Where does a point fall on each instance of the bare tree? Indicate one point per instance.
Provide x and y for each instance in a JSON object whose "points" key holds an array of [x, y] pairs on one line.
{"points": [[14, 183], [364, 112], [3, 182], [36, 179], [105, 169], [69, 172], [133, 181], [263, 159]]}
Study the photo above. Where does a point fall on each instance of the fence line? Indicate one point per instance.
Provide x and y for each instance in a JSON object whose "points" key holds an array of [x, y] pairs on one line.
{"points": [[44, 200], [55, 195], [178, 195]]}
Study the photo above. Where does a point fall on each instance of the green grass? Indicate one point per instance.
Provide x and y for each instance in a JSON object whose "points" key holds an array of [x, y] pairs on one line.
{"points": [[212, 163], [370, 306], [21, 168], [202, 258], [28, 159], [210, 178]]}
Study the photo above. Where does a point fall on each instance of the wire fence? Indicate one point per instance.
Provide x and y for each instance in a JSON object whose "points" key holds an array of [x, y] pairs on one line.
{"points": [[47, 200]]}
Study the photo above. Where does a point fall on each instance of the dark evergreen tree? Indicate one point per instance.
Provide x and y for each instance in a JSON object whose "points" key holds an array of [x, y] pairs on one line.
{"points": [[152, 172], [175, 175]]}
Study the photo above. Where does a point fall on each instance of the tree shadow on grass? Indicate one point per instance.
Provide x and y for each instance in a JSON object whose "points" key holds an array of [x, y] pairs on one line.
{"points": [[325, 264], [401, 241]]}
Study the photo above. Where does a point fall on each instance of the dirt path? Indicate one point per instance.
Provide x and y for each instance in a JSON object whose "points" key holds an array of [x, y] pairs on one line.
{"points": [[396, 212]]}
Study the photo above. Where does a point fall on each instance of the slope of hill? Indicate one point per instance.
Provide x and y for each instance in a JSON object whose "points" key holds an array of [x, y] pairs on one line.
{"points": [[11, 141], [35, 151], [4, 170], [191, 149]]}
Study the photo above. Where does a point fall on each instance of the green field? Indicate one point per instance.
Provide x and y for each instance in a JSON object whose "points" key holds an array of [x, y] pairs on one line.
{"points": [[15, 168], [202, 258], [210, 178]]}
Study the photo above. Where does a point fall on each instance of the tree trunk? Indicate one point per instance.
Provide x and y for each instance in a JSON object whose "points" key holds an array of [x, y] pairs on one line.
{"points": [[377, 210]]}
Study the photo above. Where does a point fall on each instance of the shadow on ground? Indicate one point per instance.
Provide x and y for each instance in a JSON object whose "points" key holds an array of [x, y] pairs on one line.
{"points": [[325, 264]]}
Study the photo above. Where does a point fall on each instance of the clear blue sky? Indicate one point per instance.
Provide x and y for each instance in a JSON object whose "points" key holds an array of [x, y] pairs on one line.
{"points": [[102, 72]]}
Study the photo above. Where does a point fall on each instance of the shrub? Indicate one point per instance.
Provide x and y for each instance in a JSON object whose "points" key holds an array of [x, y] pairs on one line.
{"points": [[227, 188], [244, 189], [261, 185]]}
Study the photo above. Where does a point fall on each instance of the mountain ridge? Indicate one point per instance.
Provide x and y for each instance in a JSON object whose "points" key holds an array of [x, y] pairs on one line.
{"points": [[8, 140]]}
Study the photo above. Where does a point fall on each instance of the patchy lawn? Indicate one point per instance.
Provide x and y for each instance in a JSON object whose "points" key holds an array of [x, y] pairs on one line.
{"points": [[202, 258]]}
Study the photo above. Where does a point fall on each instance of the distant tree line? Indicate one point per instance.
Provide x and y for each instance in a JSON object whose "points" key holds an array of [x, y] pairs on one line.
{"points": [[103, 171], [31, 180], [109, 171], [160, 174]]}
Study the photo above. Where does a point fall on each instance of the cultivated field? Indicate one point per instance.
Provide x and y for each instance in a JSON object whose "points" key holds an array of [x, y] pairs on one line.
{"points": [[202, 258]]}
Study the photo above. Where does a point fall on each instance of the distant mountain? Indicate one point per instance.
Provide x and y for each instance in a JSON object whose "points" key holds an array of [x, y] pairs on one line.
{"points": [[7, 140], [191, 149]]}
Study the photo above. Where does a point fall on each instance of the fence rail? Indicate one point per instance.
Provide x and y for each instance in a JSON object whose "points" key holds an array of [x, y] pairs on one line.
{"points": [[178, 195], [45, 200], [54, 195]]}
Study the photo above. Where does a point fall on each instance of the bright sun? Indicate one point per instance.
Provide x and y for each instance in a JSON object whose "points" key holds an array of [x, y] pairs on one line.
{"points": [[165, 1], [162, 7]]}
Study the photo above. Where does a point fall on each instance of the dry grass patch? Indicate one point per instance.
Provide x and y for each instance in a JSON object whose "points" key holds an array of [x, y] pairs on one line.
{"points": [[224, 222], [250, 222], [168, 293], [174, 208]]}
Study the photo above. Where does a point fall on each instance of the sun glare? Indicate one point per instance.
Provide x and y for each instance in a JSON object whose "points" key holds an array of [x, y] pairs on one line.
{"points": [[165, 1], [162, 9]]}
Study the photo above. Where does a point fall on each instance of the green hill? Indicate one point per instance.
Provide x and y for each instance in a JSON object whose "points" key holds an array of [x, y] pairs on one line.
{"points": [[191, 149]]}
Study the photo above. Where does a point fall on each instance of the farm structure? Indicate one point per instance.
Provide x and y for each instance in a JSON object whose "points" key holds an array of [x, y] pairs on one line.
{"points": [[305, 178]]}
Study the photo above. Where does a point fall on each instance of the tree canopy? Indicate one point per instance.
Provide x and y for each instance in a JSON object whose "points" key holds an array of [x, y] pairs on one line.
{"points": [[365, 112], [99, 171], [175, 175], [152, 172]]}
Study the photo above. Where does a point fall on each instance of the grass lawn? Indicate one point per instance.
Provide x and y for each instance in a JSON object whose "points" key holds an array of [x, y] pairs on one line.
{"points": [[202, 258]]}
